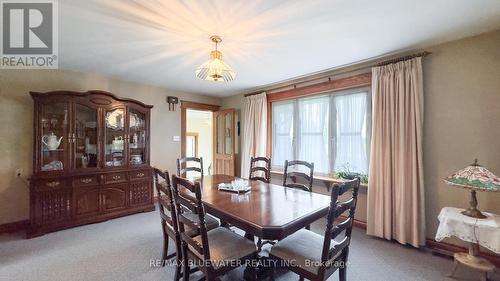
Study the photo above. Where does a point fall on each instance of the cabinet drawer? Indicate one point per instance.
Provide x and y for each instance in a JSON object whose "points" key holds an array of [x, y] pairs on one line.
{"points": [[85, 181], [115, 178], [50, 184], [143, 174]]}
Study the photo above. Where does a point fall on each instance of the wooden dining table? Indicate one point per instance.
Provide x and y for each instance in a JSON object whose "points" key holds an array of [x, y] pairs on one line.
{"points": [[268, 211]]}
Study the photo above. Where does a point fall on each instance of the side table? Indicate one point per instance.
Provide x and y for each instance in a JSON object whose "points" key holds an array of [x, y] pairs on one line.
{"points": [[484, 232]]}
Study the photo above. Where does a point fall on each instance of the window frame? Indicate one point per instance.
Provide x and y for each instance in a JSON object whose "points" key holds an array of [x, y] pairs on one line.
{"points": [[349, 85]]}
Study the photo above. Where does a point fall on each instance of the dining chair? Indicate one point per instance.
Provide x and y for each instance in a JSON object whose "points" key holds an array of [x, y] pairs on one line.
{"points": [[183, 166], [168, 217], [255, 168], [293, 175], [317, 257], [217, 251], [169, 222]]}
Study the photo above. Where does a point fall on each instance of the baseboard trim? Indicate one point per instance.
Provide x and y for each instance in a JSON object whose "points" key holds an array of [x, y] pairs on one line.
{"points": [[14, 226], [447, 249]]}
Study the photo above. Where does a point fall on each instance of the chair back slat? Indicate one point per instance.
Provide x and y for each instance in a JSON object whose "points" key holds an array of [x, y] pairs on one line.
{"points": [[183, 166], [193, 243], [293, 175], [339, 250], [339, 228], [344, 206], [194, 204], [255, 166], [166, 207]]}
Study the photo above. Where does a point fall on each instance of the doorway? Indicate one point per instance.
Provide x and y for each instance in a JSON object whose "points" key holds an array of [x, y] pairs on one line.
{"points": [[199, 137]]}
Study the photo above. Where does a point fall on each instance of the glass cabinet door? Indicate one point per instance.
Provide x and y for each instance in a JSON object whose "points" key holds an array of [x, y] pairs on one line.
{"points": [[137, 138], [54, 136], [114, 148], [85, 137]]}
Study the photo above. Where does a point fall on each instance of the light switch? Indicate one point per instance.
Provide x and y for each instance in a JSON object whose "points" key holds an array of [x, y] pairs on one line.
{"points": [[177, 138]]}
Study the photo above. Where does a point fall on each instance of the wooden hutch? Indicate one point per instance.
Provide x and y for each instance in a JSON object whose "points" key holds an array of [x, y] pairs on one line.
{"points": [[91, 159]]}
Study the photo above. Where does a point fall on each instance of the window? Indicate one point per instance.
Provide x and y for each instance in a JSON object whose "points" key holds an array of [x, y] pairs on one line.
{"points": [[330, 130]]}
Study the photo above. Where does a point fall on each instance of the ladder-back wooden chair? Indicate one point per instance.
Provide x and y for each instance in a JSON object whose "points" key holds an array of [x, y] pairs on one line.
{"points": [[168, 217], [255, 168], [184, 166], [217, 251], [317, 257], [293, 175]]}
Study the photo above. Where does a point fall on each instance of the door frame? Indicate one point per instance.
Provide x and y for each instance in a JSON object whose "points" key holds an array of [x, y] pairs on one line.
{"points": [[185, 105]]}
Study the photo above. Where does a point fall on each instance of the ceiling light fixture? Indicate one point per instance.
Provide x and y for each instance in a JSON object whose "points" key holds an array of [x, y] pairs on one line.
{"points": [[215, 69]]}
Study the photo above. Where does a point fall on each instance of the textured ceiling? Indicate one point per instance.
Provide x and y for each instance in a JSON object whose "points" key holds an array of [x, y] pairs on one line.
{"points": [[162, 42]]}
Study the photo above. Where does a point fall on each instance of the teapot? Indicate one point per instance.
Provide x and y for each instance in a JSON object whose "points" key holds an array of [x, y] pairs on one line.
{"points": [[51, 141]]}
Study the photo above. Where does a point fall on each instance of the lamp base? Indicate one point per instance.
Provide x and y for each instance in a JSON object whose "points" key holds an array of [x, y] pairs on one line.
{"points": [[474, 213]]}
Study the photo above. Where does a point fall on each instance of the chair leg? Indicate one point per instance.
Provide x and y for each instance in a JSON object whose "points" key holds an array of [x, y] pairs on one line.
{"points": [[185, 263], [343, 273], [259, 245], [165, 250], [178, 269]]}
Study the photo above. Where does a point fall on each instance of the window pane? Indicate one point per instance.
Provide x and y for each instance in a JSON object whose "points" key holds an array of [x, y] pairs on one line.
{"points": [[350, 148], [313, 132], [282, 133]]}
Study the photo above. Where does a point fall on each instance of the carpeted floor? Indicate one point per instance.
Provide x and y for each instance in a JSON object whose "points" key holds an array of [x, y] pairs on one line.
{"points": [[123, 249]]}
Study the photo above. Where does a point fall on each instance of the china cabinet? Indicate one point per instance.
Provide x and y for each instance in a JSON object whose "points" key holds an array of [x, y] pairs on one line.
{"points": [[91, 159]]}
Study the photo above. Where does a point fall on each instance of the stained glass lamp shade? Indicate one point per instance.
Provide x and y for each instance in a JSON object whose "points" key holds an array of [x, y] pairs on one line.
{"points": [[475, 178], [215, 69]]}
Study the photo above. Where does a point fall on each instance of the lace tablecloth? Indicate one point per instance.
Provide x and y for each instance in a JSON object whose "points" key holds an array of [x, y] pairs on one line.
{"points": [[485, 232]]}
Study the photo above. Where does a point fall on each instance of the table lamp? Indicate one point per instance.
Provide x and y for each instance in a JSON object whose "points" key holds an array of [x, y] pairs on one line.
{"points": [[474, 177]]}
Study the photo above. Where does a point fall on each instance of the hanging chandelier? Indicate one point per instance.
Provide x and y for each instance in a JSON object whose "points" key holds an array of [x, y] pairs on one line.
{"points": [[215, 69]]}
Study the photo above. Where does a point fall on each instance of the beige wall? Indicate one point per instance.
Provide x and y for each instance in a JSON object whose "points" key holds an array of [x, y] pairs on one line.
{"points": [[16, 127], [202, 124], [462, 121]]}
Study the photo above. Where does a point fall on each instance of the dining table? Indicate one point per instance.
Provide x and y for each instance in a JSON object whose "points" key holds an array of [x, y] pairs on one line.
{"points": [[267, 211]]}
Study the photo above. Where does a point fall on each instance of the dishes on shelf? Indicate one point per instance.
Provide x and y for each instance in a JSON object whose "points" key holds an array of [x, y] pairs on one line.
{"points": [[53, 166], [136, 121], [51, 141], [114, 119], [136, 159]]}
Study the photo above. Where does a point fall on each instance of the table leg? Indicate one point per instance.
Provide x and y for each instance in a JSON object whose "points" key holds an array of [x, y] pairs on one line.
{"points": [[455, 266]]}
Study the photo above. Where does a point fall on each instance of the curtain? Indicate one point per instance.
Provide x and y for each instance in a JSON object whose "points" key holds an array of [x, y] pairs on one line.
{"points": [[396, 186], [312, 132], [283, 123], [255, 131], [350, 148]]}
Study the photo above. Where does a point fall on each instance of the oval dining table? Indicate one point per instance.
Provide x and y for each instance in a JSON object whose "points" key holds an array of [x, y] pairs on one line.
{"points": [[268, 211]]}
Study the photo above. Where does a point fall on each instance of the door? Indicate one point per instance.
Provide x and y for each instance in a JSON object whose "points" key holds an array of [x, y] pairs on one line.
{"points": [[114, 198], [85, 136], [54, 135], [115, 137], [224, 142], [87, 202]]}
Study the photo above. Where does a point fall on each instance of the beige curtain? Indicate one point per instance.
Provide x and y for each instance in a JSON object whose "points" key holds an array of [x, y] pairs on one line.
{"points": [[255, 131], [396, 185]]}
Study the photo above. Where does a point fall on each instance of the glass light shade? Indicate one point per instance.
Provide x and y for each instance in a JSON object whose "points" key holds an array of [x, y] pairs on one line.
{"points": [[475, 177], [215, 69]]}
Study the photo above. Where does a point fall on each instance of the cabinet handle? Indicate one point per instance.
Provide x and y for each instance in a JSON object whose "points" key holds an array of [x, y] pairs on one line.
{"points": [[117, 177], [53, 183], [87, 180], [140, 175]]}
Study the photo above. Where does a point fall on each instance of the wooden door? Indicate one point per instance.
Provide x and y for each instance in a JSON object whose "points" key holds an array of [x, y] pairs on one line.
{"points": [[224, 142], [87, 202], [114, 198]]}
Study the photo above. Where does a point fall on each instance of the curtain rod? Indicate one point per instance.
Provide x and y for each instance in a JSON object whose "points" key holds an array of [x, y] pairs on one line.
{"points": [[386, 62]]}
